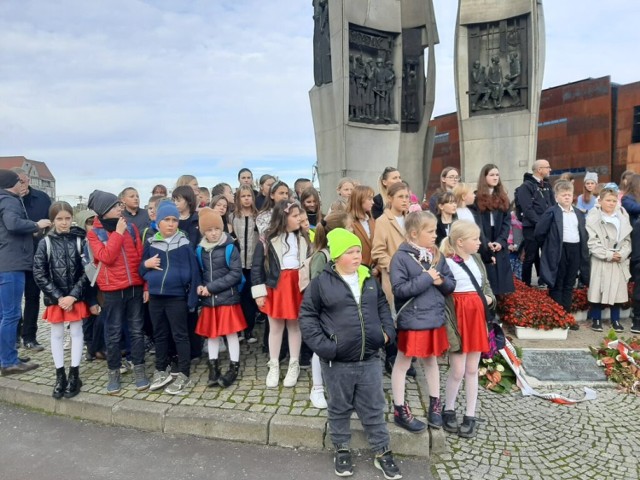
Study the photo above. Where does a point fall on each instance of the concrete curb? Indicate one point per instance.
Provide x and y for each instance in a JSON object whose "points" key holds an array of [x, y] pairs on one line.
{"points": [[292, 431]]}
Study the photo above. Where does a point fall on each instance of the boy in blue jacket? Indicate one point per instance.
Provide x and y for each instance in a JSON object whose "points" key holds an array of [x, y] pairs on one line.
{"points": [[346, 320], [170, 269]]}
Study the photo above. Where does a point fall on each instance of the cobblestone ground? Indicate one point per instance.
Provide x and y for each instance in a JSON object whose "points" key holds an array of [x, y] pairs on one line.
{"points": [[248, 394], [529, 438]]}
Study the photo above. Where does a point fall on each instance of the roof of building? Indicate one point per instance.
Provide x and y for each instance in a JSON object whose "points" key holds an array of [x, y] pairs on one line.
{"points": [[19, 161]]}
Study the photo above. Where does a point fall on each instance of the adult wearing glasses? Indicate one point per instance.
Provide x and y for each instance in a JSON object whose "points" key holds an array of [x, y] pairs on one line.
{"points": [[534, 197], [449, 178]]}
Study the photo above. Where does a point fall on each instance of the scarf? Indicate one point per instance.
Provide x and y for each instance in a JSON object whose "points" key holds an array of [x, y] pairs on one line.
{"points": [[424, 254], [208, 246]]}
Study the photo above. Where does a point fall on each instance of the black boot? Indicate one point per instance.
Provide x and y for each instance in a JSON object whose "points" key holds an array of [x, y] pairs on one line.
{"points": [[230, 375], [61, 383], [434, 419], [449, 421], [403, 417], [469, 428], [635, 326], [214, 373], [73, 387]]}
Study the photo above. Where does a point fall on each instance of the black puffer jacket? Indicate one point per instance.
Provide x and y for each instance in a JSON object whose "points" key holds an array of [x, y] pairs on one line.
{"points": [[221, 281], [336, 327], [61, 274]]}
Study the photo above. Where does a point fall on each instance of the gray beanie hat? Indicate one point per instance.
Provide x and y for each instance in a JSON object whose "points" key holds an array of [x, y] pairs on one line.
{"points": [[591, 176], [101, 202]]}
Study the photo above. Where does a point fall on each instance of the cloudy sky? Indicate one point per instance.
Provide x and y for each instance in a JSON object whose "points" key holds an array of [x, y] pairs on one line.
{"points": [[111, 93]]}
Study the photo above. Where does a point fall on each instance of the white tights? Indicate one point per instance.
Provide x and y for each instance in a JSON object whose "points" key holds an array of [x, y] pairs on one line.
{"points": [[399, 373], [463, 365], [276, 330], [232, 342], [57, 343]]}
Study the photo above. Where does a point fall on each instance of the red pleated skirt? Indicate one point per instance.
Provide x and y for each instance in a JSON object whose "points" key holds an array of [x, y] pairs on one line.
{"points": [[423, 343], [218, 321], [55, 314], [472, 324], [283, 302]]}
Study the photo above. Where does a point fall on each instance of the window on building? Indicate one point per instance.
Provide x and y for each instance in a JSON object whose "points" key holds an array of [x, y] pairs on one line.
{"points": [[635, 133]]}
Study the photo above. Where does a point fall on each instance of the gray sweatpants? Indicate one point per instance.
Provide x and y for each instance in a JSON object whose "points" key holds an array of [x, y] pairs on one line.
{"points": [[356, 386]]}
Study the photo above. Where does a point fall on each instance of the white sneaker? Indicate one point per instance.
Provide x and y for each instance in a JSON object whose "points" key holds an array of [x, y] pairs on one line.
{"points": [[160, 379], [317, 397], [273, 376], [293, 372]]}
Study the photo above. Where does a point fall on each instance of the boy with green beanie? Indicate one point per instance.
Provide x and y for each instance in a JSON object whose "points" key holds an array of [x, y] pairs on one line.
{"points": [[345, 319]]}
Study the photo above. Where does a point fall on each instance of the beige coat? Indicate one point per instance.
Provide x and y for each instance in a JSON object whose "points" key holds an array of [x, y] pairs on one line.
{"points": [[608, 280], [387, 238]]}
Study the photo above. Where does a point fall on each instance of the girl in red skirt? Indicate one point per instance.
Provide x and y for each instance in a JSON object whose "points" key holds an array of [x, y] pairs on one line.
{"points": [[420, 280], [59, 273], [468, 315], [221, 313], [274, 275]]}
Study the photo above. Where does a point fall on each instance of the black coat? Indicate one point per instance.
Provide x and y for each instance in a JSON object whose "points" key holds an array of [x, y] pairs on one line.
{"points": [[549, 231], [409, 280], [336, 327], [191, 229], [61, 273], [441, 229], [378, 206], [534, 199], [220, 279], [500, 274]]}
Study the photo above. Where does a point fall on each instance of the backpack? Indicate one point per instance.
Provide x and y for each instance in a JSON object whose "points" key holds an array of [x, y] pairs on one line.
{"points": [[91, 270], [304, 274], [519, 212], [227, 256], [47, 244]]}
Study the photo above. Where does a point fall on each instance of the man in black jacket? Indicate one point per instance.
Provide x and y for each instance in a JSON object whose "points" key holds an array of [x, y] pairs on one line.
{"points": [[36, 204], [534, 197], [16, 258]]}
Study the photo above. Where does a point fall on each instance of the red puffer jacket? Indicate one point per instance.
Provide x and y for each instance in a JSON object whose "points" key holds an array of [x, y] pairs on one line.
{"points": [[120, 258]]}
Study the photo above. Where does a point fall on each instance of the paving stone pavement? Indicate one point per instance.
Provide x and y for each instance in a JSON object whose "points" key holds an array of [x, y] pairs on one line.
{"points": [[520, 437]]}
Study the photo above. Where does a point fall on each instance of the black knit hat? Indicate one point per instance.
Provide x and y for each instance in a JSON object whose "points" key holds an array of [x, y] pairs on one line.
{"points": [[8, 178], [101, 202]]}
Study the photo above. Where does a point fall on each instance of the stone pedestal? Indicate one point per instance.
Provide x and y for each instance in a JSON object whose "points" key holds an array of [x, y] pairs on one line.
{"points": [[373, 109], [499, 53]]}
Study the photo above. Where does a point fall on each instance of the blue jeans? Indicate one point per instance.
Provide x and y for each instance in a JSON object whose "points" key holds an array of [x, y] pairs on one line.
{"points": [[11, 291], [119, 307]]}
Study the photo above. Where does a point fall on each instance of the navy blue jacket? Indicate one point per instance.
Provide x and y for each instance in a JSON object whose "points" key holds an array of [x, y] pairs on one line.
{"points": [[60, 273], [16, 234], [336, 327], [549, 231], [410, 281], [631, 205], [180, 274], [534, 198], [37, 204], [221, 281]]}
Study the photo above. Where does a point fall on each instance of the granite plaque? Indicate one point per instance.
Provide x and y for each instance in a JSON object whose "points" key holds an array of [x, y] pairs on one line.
{"points": [[562, 366]]}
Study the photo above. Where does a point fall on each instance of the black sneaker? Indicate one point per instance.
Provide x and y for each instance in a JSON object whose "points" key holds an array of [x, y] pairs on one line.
{"points": [[468, 428], [449, 421], [388, 466], [35, 346], [635, 326], [343, 464], [615, 324], [596, 325]]}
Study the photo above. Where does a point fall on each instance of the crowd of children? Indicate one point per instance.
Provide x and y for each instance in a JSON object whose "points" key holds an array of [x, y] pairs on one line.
{"points": [[197, 266]]}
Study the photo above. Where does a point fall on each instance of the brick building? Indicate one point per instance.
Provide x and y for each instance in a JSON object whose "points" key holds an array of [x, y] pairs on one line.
{"points": [[589, 125], [40, 176]]}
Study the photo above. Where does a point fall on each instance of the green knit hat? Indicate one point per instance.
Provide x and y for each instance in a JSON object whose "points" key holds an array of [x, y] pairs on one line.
{"points": [[341, 240]]}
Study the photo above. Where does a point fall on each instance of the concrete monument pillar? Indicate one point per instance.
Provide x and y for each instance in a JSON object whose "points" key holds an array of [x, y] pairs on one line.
{"points": [[499, 54], [372, 102]]}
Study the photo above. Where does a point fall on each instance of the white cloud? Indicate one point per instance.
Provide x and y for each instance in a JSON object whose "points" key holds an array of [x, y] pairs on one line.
{"points": [[111, 92]]}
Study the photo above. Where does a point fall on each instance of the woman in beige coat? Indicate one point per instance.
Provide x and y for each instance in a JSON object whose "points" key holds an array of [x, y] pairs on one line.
{"points": [[609, 249], [389, 234]]}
